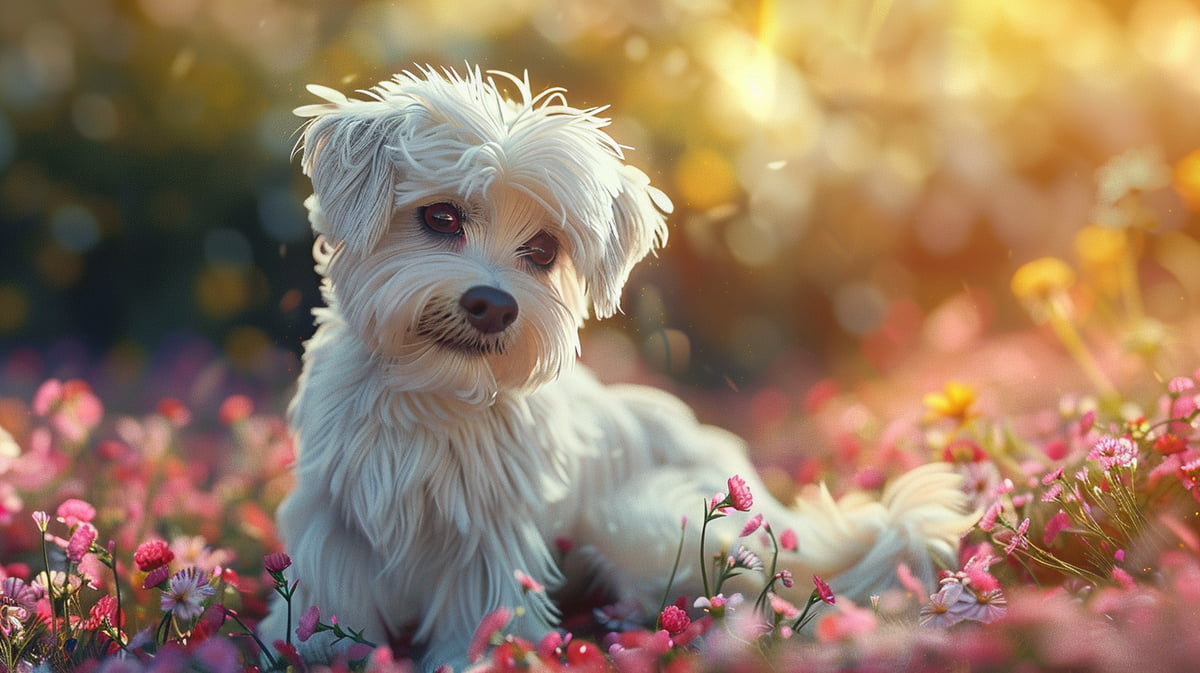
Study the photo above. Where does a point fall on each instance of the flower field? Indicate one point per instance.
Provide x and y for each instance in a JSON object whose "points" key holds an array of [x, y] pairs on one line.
{"points": [[957, 230]]}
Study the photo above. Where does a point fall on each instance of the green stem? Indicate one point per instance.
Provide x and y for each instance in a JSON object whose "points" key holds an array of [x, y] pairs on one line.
{"points": [[674, 568], [274, 663]]}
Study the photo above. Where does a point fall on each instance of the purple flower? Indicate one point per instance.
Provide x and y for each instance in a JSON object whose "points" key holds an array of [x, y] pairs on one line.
{"points": [[744, 558], [308, 623], [277, 562], [185, 594], [942, 608]]}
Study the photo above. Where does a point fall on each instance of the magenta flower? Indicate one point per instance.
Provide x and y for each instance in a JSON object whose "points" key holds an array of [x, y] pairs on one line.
{"points": [[739, 494], [308, 623], [156, 577], [153, 554], [185, 594], [277, 562], [81, 542], [674, 620], [823, 590], [785, 578], [1113, 452]]}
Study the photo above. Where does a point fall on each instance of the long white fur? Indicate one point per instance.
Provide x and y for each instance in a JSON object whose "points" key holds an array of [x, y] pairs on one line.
{"points": [[427, 475]]}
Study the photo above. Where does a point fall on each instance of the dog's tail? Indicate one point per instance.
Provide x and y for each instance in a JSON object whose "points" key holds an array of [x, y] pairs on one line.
{"points": [[858, 542]]}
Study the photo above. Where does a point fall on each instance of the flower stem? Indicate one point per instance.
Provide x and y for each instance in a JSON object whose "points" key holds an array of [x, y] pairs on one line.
{"points": [[1069, 336], [674, 568]]}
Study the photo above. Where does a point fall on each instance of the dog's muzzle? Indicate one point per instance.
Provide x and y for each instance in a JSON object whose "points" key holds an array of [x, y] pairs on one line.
{"points": [[488, 309]]}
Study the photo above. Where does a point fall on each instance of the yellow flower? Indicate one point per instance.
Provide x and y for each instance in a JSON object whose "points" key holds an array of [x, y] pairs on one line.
{"points": [[1187, 179], [955, 401], [1102, 253], [1042, 279]]}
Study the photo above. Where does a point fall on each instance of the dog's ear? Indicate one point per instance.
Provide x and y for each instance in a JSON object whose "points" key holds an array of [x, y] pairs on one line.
{"points": [[345, 154], [639, 226]]}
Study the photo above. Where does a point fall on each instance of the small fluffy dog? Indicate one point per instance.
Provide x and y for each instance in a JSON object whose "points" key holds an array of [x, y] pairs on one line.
{"points": [[445, 436]]}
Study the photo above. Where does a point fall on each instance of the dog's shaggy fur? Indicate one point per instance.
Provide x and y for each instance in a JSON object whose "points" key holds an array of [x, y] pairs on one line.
{"points": [[446, 438]]}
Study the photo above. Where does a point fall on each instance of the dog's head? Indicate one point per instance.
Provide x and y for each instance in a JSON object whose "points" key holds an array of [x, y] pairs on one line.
{"points": [[466, 234]]}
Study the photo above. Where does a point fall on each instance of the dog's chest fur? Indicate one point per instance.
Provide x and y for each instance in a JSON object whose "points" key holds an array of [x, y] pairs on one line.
{"points": [[431, 483]]}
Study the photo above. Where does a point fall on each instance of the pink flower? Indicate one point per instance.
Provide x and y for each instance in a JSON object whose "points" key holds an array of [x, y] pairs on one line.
{"points": [[1113, 452], [988, 522], [1180, 384], [81, 542], [42, 520], [72, 408], [752, 525], [235, 408], [153, 554], [185, 594], [74, 511], [787, 540], [909, 580], [785, 578], [1057, 524], [823, 590], [488, 626], [1018, 541], [1123, 578], [527, 583], [308, 623], [783, 607], [175, 411], [277, 562], [976, 575], [847, 623], [674, 620], [739, 494]]}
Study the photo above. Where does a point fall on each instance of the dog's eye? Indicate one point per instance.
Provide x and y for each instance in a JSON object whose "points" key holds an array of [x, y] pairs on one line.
{"points": [[444, 218], [540, 250]]}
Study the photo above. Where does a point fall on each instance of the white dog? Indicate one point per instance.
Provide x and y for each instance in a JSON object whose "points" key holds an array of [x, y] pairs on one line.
{"points": [[446, 437]]}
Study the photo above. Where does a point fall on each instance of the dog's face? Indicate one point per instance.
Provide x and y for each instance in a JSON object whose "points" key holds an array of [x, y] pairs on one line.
{"points": [[465, 235]]}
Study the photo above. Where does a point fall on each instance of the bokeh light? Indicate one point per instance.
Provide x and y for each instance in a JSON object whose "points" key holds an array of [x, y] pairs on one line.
{"points": [[853, 181]]}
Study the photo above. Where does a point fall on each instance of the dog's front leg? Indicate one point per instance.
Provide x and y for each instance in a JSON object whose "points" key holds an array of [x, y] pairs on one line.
{"points": [[336, 570]]}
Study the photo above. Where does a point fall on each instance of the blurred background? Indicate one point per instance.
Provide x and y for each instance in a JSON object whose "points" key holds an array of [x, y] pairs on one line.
{"points": [[855, 181]]}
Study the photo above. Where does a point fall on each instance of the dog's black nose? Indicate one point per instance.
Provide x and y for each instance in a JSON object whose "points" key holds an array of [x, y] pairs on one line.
{"points": [[489, 310]]}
